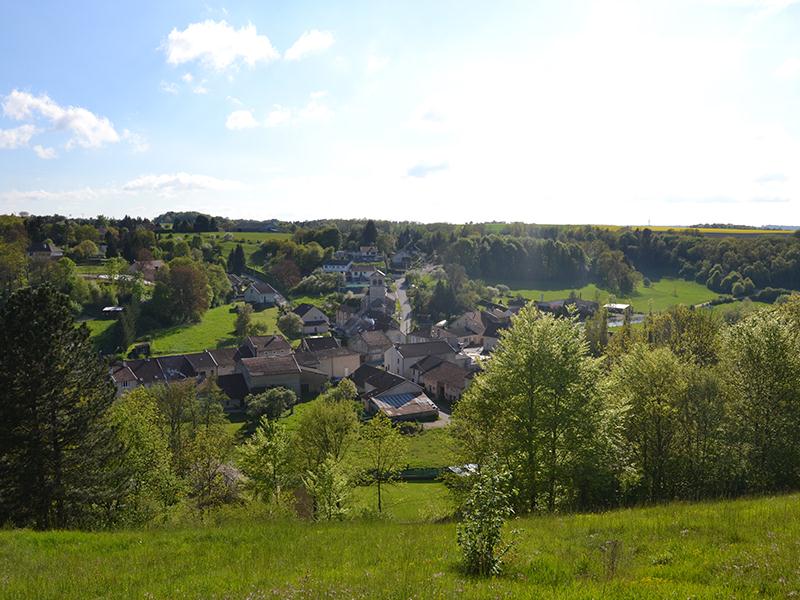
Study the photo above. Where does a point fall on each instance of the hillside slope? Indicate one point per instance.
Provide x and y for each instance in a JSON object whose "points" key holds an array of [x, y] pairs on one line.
{"points": [[737, 549]]}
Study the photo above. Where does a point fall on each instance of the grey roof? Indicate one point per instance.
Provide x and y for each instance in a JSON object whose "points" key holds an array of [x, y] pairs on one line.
{"points": [[271, 365], [313, 344], [201, 360], [303, 308], [427, 363], [377, 378], [262, 287], [425, 348]]}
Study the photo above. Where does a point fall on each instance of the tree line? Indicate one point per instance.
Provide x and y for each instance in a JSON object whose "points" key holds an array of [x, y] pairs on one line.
{"points": [[683, 408]]}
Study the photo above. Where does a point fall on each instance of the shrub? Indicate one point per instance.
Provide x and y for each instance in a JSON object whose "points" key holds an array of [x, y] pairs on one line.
{"points": [[484, 513]]}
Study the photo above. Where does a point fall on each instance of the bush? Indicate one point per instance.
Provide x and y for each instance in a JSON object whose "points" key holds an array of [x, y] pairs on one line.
{"points": [[484, 513], [646, 282]]}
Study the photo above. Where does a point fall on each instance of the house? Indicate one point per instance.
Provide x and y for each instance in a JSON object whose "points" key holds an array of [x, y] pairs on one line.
{"points": [[262, 372], [314, 320], [446, 381], [225, 359], [264, 345], [45, 250], [564, 308], [369, 252], [371, 344], [202, 363], [398, 398], [147, 268], [347, 310], [340, 265], [263, 294], [403, 258], [319, 342], [423, 366], [360, 271], [336, 363], [619, 309], [124, 378], [401, 357]]}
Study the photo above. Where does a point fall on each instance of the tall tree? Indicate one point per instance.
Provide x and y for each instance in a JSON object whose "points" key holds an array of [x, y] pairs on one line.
{"points": [[60, 465], [384, 450], [536, 406], [369, 235]]}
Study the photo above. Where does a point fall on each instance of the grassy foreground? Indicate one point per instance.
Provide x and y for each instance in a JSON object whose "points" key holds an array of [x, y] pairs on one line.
{"points": [[737, 549]]}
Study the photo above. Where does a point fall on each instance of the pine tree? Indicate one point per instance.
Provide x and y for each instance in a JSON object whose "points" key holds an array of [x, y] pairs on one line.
{"points": [[59, 461]]}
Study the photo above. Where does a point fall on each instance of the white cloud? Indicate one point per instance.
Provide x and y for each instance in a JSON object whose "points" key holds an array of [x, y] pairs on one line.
{"points": [[200, 89], [44, 153], [241, 119], [278, 116], [790, 69], [311, 42], [187, 78], [423, 169], [88, 130], [169, 184], [137, 141], [217, 45], [169, 87], [16, 137], [376, 63], [315, 110]]}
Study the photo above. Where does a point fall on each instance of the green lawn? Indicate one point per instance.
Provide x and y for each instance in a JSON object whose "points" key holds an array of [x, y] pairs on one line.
{"points": [[215, 330], [730, 549], [406, 502], [661, 294], [100, 332], [431, 448]]}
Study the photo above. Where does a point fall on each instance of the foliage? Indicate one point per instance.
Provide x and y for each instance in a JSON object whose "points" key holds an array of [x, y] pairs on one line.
{"points": [[483, 515], [384, 450], [537, 407], [329, 489], [291, 325], [269, 404], [264, 459], [60, 464]]}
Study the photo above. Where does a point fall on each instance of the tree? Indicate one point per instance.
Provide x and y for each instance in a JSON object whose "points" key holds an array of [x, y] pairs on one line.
{"points": [[60, 464], [762, 364], [86, 249], [269, 404], [236, 260], [369, 235], [153, 485], [265, 460], [596, 329], [327, 428], [484, 513], [536, 406], [329, 489], [291, 325], [384, 449], [244, 318], [182, 292], [650, 385]]}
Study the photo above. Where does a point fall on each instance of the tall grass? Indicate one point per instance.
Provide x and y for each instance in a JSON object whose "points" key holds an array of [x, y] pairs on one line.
{"points": [[737, 549]]}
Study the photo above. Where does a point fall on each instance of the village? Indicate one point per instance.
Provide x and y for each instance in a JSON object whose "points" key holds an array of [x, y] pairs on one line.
{"points": [[407, 368]]}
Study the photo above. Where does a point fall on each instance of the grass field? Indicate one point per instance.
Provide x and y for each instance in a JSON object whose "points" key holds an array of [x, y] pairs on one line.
{"points": [[734, 549], [215, 330], [715, 231], [406, 502], [661, 294]]}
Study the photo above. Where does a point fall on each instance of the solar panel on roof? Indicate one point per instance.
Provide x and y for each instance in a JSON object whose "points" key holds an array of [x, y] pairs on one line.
{"points": [[397, 400]]}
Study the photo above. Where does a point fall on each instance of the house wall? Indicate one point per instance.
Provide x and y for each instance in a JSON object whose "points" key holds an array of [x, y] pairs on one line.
{"points": [[290, 381]]}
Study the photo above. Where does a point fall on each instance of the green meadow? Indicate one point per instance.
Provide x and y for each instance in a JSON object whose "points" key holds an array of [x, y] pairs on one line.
{"points": [[215, 330], [661, 294], [730, 549]]}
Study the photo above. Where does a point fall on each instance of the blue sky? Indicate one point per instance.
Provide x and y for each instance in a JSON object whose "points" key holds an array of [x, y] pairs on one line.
{"points": [[670, 112]]}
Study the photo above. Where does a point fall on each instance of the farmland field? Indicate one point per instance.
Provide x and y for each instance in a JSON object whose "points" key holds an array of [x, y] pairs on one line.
{"points": [[729, 549], [661, 294], [711, 231], [215, 330]]}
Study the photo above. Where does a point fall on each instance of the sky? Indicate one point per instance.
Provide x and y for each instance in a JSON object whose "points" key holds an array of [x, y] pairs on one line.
{"points": [[612, 112]]}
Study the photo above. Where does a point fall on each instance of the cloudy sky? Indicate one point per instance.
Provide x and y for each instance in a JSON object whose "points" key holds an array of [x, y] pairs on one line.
{"points": [[671, 112]]}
